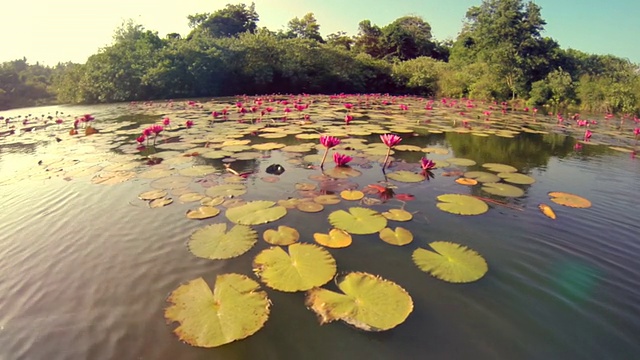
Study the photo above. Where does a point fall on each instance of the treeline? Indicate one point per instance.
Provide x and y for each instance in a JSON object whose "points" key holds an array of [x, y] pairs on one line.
{"points": [[23, 85], [499, 55]]}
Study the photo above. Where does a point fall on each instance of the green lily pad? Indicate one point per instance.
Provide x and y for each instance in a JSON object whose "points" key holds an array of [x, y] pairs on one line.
{"points": [[461, 161], [152, 195], [451, 262], [226, 190], [358, 220], [405, 176], [502, 189], [461, 204], [215, 242], [482, 176], [256, 213], [368, 302], [203, 212], [235, 310], [399, 236], [516, 178], [284, 235], [398, 215], [335, 239], [305, 266], [342, 172], [570, 200], [499, 168], [198, 170]]}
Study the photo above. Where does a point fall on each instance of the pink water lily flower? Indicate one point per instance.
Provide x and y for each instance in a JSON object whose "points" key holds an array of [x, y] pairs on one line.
{"points": [[348, 118], [587, 135], [341, 159], [166, 121], [141, 139], [328, 142], [636, 132], [390, 140], [188, 124], [427, 164]]}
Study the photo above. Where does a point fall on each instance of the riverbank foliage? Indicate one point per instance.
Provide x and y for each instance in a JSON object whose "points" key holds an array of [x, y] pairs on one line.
{"points": [[500, 54]]}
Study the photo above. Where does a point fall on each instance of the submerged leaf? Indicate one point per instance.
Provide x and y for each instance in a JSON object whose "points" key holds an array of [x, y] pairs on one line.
{"points": [[305, 266], [451, 262], [236, 309], [369, 302]]}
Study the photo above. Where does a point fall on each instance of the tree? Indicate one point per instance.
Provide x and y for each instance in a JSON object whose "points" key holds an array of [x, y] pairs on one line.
{"points": [[407, 38], [369, 39], [305, 28], [229, 21], [340, 39]]}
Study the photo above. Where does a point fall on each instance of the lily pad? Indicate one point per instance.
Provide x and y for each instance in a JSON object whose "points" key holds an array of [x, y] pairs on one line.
{"points": [[256, 213], [502, 189], [397, 215], [516, 178], [327, 199], [152, 195], [569, 200], [203, 212], [351, 195], [399, 236], [336, 239], [461, 161], [461, 204], [482, 176], [358, 220], [305, 266], [235, 310], [227, 190], [309, 206], [466, 181], [406, 176], [190, 197], [283, 236], [215, 242], [368, 302], [451, 262], [209, 201], [499, 168], [161, 202], [342, 172]]}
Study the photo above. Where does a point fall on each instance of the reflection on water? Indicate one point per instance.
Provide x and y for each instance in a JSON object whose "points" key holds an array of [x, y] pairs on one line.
{"points": [[86, 268]]}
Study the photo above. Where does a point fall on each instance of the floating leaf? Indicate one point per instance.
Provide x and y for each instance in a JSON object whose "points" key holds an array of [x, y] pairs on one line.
{"points": [[399, 236], [461, 204], [203, 212], [226, 190], [198, 170], [499, 168], [305, 266], [398, 215], [190, 197], [502, 189], [351, 195], [451, 262], [152, 195], [256, 213], [569, 200], [516, 178], [309, 206], [161, 202], [466, 181], [285, 235], [306, 186], [342, 172], [335, 239], [405, 176], [358, 220], [215, 242], [215, 201], [461, 161], [327, 199], [235, 310], [547, 211], [369, 302], [482, 176]]}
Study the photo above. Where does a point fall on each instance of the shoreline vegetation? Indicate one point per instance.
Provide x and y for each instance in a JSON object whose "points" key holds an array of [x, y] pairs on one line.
{"points": [[500, 54]]}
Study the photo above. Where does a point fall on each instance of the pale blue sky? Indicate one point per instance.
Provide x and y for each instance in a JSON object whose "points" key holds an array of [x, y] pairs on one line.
{"points": [[50, 31]]}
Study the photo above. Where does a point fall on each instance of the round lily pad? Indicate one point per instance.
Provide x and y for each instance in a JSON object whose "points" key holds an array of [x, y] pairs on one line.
{"points": [[397, 215], [482, 176], [451, 262], [466, 181], [236, 309], [358, 220], [198, 170], [399, 236], [569, 200], [284, 235], [215, 242], [461, 162], [516, 178], [161, 202], [327, 199], [152, 195], [256, 213], [203, 212], [351, 195], [367, 302], [309, 206], [502, 189], [336, 239], [405, 176], [190, 197], [499, 168], [226, 190], [461, 204], [342, 172], [305, 266], [209, 201]]}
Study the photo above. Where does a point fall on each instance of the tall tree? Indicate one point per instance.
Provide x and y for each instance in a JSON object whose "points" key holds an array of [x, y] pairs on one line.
{"points": [[229, 21], [407, 38], [305, 28], [369, 39]]}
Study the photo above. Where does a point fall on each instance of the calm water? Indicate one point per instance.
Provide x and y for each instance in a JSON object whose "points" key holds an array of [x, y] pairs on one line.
{"points": [[85, 268]]}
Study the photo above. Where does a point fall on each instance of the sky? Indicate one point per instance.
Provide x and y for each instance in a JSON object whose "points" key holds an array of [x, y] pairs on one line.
{"points": [[52, 31]]}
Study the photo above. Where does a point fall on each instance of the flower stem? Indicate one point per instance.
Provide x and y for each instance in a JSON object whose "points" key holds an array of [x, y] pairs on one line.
{"points": [[384, 164], [324, 157]]}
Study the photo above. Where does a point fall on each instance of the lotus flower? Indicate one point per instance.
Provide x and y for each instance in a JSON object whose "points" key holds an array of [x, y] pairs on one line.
{"points": [[390, 140], [141, 139], [147, 132], [166, 121], [587, 135], [427, 164], [328, 142], [341, 159], [188, 124], [348, 106], [348, 118], [636, 132]]}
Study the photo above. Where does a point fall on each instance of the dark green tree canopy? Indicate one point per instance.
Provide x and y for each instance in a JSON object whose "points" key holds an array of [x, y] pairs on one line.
{"points": [[229, 21], [305, 28]]}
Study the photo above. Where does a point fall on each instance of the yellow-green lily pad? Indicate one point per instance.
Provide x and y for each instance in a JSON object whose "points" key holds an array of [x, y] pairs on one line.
{"points": [[358, 220], [405, 176], [397, 215], [499, 168], [502, 189], [451, 262], [256, 213], [461, 204], [399, 236], [215, 242], [283, 236], [336, 239], [516, 178]]}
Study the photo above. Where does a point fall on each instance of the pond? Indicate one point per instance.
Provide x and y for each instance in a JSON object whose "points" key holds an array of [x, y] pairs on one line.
{"points": [[88, 266]]}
